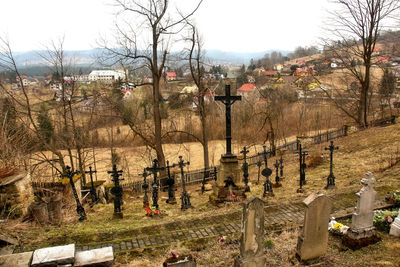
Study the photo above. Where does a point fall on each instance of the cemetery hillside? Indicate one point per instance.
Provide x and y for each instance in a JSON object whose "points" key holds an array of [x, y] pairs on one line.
{"points": [[152, 150]]}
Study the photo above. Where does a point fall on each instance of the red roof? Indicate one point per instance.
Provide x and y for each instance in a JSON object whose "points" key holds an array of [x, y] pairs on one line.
{"points": [[171, 74], [270, 72], [247, 87]]}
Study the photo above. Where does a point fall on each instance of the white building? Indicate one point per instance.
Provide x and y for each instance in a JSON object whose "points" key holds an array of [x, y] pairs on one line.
{"points": [[106, 75]]}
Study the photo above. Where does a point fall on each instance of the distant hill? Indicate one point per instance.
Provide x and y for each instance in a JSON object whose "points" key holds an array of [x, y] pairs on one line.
{"points": [[238, 57]]}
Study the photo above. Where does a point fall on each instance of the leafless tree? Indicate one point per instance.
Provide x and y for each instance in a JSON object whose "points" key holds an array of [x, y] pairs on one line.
{"points": [[146, 46], [355, 28]]}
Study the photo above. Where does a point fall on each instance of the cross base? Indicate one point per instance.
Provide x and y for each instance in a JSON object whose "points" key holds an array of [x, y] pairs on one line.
{"points": [[185, 201], [118, 215], [171, 201], [300, 190], [277, 184]]}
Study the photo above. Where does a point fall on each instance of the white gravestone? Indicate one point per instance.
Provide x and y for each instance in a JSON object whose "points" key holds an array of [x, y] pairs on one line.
{"points": [[395, 228], [99, 257], [60, 255]]}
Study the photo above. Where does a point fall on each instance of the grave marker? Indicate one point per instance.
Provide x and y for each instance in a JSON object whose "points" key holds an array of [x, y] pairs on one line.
{"points": [[103, 257], [245, 168], [145, 187], [313, 241], [170, 182], [116, 191], [395, 228], [277, 182], [53, 256], [93, 193], [331, 178], [268, 191], [252, 235], [185, 198], [79, 208], [154, 169]]}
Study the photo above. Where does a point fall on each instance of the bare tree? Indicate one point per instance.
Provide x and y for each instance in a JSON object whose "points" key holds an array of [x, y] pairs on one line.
{"points": [[155, 23], [355, 27]]}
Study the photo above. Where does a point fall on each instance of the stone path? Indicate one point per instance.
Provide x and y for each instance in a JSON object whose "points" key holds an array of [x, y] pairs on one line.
{"points": [[276, 218]]}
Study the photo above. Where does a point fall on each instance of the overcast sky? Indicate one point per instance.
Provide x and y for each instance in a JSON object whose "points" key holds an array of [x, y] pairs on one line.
{"points": [[228, 25]]}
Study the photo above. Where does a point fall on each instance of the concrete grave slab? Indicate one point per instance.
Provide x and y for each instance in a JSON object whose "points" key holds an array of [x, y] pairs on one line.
{"points": [[16, 260], [53, 256], [100, 257]]}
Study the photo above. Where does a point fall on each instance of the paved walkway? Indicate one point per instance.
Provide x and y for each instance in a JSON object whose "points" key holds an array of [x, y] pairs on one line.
{"points": [[276, 217]]}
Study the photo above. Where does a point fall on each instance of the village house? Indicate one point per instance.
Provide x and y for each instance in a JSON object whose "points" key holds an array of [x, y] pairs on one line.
{"points": [[170, 76], [246, 90], [106, 76]]}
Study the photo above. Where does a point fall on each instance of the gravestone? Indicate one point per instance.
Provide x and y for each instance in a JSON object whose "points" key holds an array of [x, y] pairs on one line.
{"points": [[54, 256], [313, 241], [252, 235], [103, 257], [362, 231], [16, 260], [395, 228]]}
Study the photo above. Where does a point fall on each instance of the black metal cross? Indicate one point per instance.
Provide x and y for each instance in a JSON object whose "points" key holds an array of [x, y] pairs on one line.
{"points": [[145, 187], [154, 169], [276, 165], [302, 168], [245, 169], [170, 183], [79, 208], [259, 164], [267, 173], [228, 101], [331, 178], [281, 166], [185, 198], [95, 199], [116, 190]]}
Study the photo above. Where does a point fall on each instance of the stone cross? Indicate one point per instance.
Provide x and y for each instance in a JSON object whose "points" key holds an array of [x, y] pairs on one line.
{"points": [[170, 182], [145, 187], [92, 189], [154, 169], [79, 208], [313, 241], [252, 235], [185, 198], [363, 216], [245, 169], [116, 191], [228, 101], [331, 178]]}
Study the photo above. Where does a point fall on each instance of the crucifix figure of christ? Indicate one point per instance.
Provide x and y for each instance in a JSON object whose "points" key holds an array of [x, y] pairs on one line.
{"points": [[145, 187], [185, 198], [116, 190], [79, 208], [170, 182], [331, 178], [154, 169], [228, 101], [93, 193], [268, 191], [245, 169]]}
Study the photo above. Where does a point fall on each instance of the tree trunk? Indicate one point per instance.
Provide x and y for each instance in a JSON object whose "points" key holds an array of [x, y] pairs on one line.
{"points": [[157, 121], [204, 132]]}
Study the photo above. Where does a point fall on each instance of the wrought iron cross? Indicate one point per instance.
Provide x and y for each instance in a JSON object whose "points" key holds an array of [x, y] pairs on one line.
{"points": [[331, 178], [185, 198], [154, 169], [117, 189], [170, 182], [228, 101], [245, 169], [79, 208], [281, 166], [276, 165], [145, 187], [302, 168], [92, 189]]}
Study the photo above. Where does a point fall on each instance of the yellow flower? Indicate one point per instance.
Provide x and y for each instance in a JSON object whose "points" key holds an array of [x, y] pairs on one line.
{"points": [[337, 226]]}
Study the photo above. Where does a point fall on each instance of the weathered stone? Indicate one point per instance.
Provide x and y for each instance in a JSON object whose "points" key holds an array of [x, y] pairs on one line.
{"points": [[229, 167], [395, 228], [362, 231], [54, 255], [313, 241], [16, 260], [252, 235], [100, 257]]}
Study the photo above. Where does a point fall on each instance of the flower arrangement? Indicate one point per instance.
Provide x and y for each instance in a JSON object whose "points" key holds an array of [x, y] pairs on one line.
{"points": [[151, 211], [337, 228], [383, 219]]}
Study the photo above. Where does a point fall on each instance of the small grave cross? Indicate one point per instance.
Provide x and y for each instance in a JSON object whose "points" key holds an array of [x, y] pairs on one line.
{"points": [[276, 165], [281, 166], [154, 169], [79, 208], [228, 101], [267, 173], [95, 199], [185, 198], [170, 183], [245, 169], [145, 187], [302, 161], [331, 178], [116, 190]]}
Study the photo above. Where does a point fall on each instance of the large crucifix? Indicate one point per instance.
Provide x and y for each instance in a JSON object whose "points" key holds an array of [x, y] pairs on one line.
{"points": [[228, 101]]}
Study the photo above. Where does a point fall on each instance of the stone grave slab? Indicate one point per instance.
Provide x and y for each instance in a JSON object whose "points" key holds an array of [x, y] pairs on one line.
{"points": [[395, 228], [100, 257], [16, 260], [313, 241], [53, 256]]}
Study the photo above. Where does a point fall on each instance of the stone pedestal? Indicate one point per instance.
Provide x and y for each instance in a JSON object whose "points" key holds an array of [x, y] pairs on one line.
{"points": [[229, 167], [313, 241], [395, 228], [362, 231]]}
